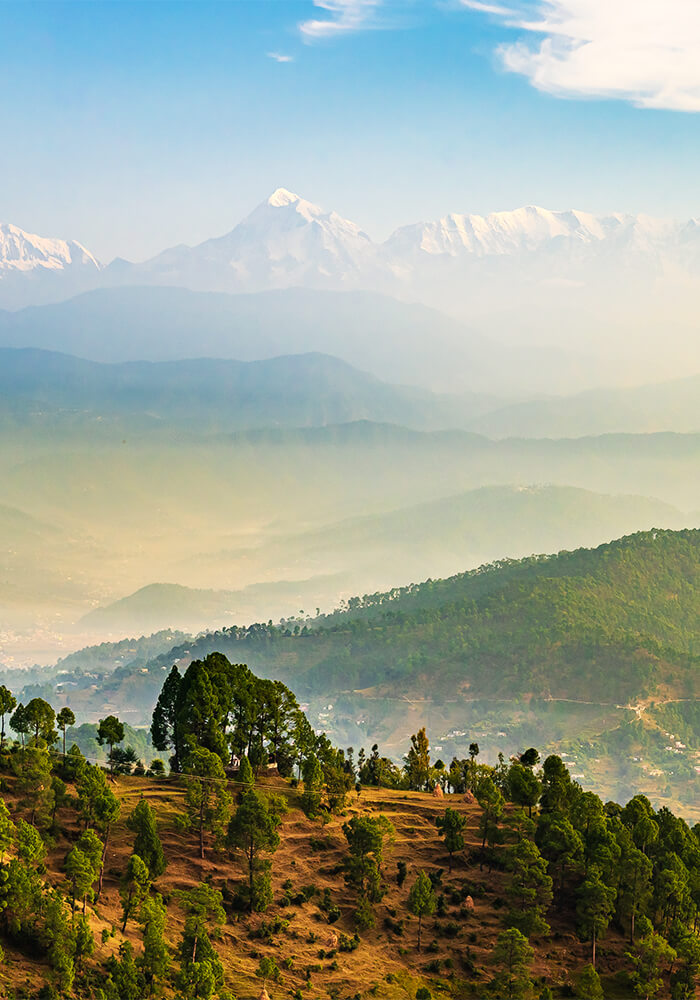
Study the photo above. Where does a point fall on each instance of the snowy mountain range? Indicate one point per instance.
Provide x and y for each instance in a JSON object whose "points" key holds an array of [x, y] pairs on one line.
{"points": [[20, 251], [289, 241], [530, 275]]}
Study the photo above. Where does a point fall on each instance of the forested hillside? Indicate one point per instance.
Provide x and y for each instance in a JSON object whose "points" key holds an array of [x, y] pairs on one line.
{"points": [[256, 858], [578, 651], [611, 623]]}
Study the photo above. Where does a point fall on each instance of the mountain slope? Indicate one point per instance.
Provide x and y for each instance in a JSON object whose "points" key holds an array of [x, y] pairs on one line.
{"points": [[604, 625]]}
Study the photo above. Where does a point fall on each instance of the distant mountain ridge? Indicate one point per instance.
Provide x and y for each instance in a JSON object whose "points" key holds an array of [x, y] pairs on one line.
{"points": [[307, 390], [399, 342]]}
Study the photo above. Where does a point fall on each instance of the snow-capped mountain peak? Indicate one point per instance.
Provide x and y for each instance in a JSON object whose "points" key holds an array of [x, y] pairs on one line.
{"points": [[519, 230], [282, 197], [25, 252]]}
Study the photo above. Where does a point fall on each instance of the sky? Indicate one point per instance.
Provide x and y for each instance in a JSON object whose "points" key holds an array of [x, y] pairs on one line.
{"points": [[132, 127]]}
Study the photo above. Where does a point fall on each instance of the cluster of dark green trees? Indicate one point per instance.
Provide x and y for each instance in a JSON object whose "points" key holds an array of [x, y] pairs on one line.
{"points": [[38, 915], [59, 790], [566, 849]]}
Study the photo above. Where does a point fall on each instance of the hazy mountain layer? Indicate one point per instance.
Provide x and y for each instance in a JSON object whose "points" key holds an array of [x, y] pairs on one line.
{"points": [[216, 395], [112, 512], [435, 538], [666, 406], [395, 341]]}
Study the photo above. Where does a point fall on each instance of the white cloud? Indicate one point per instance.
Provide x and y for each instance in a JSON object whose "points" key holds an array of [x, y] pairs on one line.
{"points": [[487, 8], [643, 51], [280, 57], [346, 16]]}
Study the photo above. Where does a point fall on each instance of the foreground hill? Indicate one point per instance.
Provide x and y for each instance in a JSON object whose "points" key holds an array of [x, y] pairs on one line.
{"points": [[311, 912]]}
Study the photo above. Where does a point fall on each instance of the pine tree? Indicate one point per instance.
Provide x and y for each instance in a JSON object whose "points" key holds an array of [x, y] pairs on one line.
{"points": [[199, 714], [313, 782], [589, 985], [64, 719], [7, 705], [530, 889], [199, 962], [135, 886], [34, 782], [650, 954], [59, 942], [30, 847], [421, 900], [492, 803], [594, 909], [106, 810], [155, 960], [147, 845], [207, 801], [41, 719], [253, 831], [417, 761], [83, 865], [245, 772], [514, 956], [125, 980], [451, 827], [164, 727], [110, 731], [80, 874]]}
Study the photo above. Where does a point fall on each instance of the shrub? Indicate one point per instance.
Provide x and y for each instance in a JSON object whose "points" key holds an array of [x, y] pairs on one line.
{"points": [[348, 943]]}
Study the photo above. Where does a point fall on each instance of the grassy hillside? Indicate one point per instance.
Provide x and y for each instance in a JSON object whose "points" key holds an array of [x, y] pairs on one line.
{"points": [[458, 943]]}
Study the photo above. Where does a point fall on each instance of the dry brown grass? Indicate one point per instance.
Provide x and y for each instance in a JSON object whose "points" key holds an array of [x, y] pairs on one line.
{"points": [[386, 964]]}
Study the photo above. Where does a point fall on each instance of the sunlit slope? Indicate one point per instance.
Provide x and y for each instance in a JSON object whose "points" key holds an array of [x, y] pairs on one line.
{"points": [[434, 538], [604, 625], [224, 512]]}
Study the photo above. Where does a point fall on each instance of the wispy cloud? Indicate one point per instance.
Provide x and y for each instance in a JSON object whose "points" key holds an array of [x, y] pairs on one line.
{"points": [[280, 57], [487, 8], [345, 16], [643, 51]]}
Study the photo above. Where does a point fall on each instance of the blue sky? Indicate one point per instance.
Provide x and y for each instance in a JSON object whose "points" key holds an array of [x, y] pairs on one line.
{"points": [[135, 126]]}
